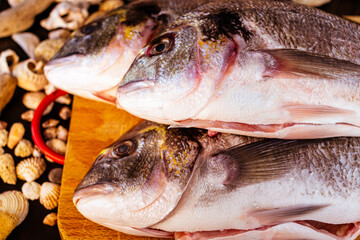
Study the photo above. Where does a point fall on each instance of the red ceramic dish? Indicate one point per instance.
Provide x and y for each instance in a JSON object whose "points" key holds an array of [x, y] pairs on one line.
{"points": [[35, 127]]}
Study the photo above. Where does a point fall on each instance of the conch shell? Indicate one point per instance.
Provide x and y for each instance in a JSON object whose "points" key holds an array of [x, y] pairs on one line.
{"points": [[7, 169], [27, 41], [67, 15], [14, 203], [30, 75], [8, 59], [7, 89]]}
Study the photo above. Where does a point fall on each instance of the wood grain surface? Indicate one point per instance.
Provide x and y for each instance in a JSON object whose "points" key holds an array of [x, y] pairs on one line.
{"points": [[93, 126]]}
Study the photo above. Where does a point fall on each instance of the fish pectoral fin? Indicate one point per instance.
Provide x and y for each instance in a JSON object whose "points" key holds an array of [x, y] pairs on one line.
{"points": [[300, 113], [291, 62], [285, 214], [257, 162]]}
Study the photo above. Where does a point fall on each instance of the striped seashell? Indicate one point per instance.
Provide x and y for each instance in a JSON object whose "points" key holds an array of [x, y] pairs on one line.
{"points": [[15, 203], [7, 169], [31, 190], [16, 133], [49, 195], [30, 169], [30, 75]]}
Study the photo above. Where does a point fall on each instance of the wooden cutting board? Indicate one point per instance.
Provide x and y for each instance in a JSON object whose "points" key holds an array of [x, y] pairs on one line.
{"points": [[93, 126]]}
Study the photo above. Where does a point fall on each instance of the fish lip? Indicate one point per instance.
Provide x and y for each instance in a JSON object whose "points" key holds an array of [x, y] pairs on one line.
{"points": [[57, 62], [92, 190], [136, 85]]}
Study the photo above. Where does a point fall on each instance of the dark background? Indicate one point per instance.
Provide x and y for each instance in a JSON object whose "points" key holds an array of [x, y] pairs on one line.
{"points": [[32, 227]]}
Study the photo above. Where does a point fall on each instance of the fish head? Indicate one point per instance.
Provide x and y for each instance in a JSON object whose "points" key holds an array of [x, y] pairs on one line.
{"points": [[138, 180], [96, 56], [181, 67]]}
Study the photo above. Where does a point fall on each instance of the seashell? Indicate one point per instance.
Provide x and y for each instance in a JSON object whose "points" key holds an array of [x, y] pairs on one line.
{"points": [[16, 133], [67, 15], [3, 124], [13, 3], [62, 133], [2, 151], [30, 75], [7, 222], [49, 195], [49, 159], [65, 99], [36, 152], [50, 123], [31, 190], [55, 175], [65, 113], [8, 59], [33, 99], [7, 169], [3, 137], [312, 3], [57, 145], [49, 88], [47, 48], [15, 203], [30, 169], [28, 115], [27, 41], [50, 219], [7, 89], [59, 33], [24, 148], [50, 133], [108, 5]]}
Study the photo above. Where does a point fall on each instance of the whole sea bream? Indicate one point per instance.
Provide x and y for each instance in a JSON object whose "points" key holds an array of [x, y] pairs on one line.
{"points": [[254, 67], [179, 182], [96, 57]]}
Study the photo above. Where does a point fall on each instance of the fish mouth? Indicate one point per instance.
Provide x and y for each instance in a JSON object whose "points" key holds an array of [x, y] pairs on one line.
{"points": [[62, 61], [136, 85], [92, 191]]}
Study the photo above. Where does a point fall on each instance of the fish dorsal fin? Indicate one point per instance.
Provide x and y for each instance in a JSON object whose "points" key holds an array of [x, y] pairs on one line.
{"points": [[257, 162], [285, 214]]}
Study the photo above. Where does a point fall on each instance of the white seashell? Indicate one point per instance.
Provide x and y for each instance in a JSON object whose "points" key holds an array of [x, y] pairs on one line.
{"points": [[7, 169], [16, 133], [3, 124], [30, 75], [67, 15], [3, 137], [24, 148], [62, 133], [14, 202], [30, 169], [8, 59], [31, 190], [33, 99], [49, 88], [47, 48], [27, 41], [65, 113], [13, 3], [55, 175], [50, 133], [50, 219], [7, 222], [57, 145], [2, 151], [28, 115], [49, 195], [65, 99], [50, 123], [7, 89], [36, 151], [59, 33]]}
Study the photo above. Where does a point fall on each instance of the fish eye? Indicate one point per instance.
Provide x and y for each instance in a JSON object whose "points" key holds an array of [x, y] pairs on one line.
{"points": [[124, 148], [161, 46], [90, 28]]}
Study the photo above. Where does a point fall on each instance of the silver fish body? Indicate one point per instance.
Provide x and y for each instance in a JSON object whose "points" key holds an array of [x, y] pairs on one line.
{"points": [[161, 181], [258, 68]]}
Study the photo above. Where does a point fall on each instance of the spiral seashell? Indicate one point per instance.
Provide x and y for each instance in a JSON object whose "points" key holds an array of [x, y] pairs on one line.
{"points": [[16, 133], [57, 145], [50, 123], [30, 169], [47, 48], [15, 203], [28, 115], [62, 133], [32, 100], [49, 195], [31, 190], [55, 175], [7, 222], [7, 89], [50, 219], [30, 75], [8, 59], [3, 137], [24, 148], [27, 41], [7, 169]]}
